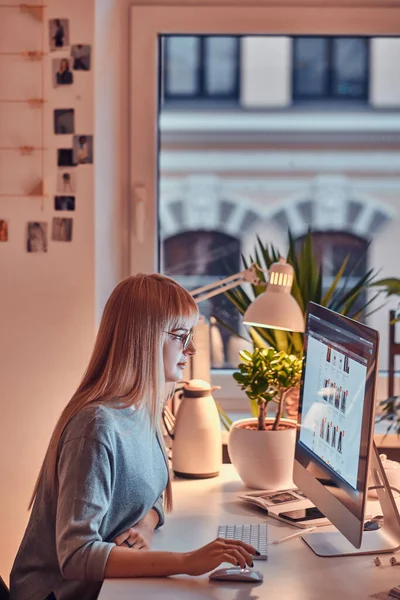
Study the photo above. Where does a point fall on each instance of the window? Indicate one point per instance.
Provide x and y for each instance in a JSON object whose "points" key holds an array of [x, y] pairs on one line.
{"points": [[330, 68], [183, 162], [197, 258], [331, 249], [201, 68]]}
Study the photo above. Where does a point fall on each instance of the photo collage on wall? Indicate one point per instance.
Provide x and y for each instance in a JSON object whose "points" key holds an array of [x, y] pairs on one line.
{"points": [[69, 59], [80, 152]]}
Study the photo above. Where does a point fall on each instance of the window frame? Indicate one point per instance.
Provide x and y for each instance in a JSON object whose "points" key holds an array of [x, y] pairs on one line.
{"points": [[298, 98], [148, 22], [202, 96]]}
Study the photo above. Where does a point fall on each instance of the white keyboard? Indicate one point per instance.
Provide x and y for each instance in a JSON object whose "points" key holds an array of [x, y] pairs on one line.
{"points": [[255, 534]]}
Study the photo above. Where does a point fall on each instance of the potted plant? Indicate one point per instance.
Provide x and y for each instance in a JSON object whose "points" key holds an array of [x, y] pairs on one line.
{"points": [[261, 448]]}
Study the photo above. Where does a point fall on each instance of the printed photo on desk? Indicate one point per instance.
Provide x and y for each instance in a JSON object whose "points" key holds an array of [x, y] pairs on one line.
{"points": [[277, 502], [273, 498]]}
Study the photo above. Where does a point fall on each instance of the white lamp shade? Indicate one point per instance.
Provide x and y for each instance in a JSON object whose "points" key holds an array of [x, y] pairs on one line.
{"points": [[275, 310]]}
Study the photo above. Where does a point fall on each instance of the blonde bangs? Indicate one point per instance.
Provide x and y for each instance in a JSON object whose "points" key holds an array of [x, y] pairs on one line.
{"points": [[182, 310]]}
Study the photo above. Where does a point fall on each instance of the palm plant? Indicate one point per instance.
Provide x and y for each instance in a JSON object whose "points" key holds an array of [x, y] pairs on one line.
{"points": [[390, 411], [307, 286]]}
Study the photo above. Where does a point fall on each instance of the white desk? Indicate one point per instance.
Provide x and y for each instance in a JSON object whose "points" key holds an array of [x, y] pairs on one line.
{"points": [[292, 571]]}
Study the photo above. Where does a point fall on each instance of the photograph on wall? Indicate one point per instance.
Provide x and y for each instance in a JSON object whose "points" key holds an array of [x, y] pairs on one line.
{"points": [[62, 230], [59, 34], [3, 231], [36, 236], [66, 182], [65, 157], [83, 149], [64, 120], [64, 202], [62, 74], [81, 57]]}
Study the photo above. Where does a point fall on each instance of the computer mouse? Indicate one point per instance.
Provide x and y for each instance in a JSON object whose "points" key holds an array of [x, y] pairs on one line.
{"points": [[236, 574]]}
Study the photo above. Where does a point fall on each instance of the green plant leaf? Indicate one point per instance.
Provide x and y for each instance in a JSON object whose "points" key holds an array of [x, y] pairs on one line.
{"points": [[391, 285], [225, 420], [332, 288]]}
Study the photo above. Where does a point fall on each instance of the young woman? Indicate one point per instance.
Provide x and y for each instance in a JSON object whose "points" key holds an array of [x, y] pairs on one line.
{"points": [[58, 37], [82, 153], [64, 75], [98, 497]]}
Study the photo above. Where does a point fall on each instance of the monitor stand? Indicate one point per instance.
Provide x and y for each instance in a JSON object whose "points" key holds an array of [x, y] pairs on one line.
{"points": [[385, 539]]}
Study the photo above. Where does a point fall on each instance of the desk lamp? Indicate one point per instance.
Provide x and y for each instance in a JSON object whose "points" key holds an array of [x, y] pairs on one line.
{"points": [[274, 309]]}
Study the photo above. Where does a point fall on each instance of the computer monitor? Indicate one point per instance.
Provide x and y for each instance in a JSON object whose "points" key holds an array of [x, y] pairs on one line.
{"points": [[334, 451]]}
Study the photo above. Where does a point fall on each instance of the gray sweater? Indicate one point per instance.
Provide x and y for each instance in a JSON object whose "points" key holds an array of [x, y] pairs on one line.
{"points": [[111, 472]]}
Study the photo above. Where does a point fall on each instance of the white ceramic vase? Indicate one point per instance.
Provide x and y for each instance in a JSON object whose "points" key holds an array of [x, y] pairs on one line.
{"points": [[263, 459], [197, 445]]}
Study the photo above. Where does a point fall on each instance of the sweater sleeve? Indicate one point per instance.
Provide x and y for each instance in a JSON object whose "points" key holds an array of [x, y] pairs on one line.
{"points": [[158, 507], [85, 473]]}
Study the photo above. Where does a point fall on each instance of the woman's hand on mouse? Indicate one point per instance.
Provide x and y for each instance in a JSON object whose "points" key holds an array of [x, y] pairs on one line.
{"points": [[209, 557]]}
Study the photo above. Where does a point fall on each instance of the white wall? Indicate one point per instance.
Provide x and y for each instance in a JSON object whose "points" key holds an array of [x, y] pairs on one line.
{"points": [[47, 310], [112, 129], [50, 303], [385, 72], [266, 72]]}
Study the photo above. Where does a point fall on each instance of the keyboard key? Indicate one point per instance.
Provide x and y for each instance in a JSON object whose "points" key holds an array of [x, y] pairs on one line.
{"points": [[254, 534]]}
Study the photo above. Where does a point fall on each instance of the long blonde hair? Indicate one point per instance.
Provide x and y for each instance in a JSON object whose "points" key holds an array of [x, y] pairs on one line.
{"points": [[126, 367]]}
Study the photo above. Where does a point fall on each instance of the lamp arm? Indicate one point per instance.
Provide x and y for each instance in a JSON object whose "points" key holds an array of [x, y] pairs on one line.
{"points": [[218, 287]]}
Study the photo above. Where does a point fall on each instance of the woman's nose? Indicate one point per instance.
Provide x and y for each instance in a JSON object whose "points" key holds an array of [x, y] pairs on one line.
{"points": [[191, 349]]}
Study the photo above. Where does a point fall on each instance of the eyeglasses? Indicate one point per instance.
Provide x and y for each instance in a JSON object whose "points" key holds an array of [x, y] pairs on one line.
{"points": [[185, 338]]}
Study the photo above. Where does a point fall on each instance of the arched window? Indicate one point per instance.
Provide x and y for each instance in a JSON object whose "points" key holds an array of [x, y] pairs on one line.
{"points": [[196, 258], [330, 249]]}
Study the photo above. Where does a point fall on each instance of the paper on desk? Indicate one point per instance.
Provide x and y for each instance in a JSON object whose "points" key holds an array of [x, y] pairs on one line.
{"points": [[279, 501]]}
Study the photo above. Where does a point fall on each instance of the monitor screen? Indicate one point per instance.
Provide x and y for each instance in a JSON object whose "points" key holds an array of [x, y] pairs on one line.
{"points": [[336, 411]]}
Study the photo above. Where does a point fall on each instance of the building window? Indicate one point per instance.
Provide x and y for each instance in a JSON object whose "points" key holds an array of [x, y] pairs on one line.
{"points": [[330, 68], [331, 249], [197, 258], [201, 67]]}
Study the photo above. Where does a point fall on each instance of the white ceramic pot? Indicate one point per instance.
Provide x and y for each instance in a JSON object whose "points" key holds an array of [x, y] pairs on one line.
{"points": [[392, 471], [263, 459]]}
